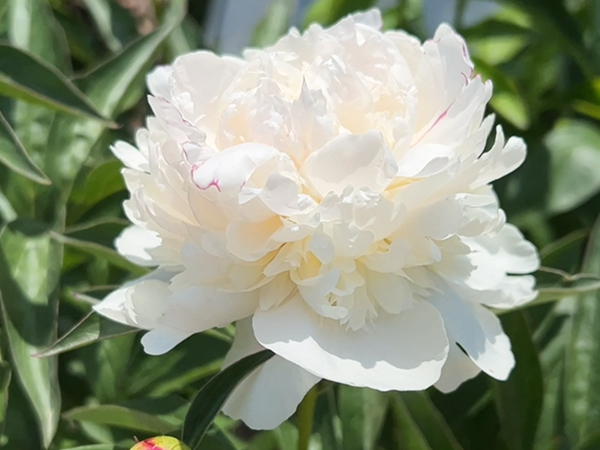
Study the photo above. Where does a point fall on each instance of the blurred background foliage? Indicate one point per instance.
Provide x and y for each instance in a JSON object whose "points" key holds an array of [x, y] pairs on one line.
{"points": [[72, 82]]}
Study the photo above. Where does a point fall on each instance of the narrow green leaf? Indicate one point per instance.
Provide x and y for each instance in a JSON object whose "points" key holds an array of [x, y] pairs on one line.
{"points": [[115, 24], [328, 11], [430, 421], [582, 364], [29, 269], [574, 148], [122, 417], [25, 76], [71, 140], [100, 251], [362, 412], [407, 434], [91, 329], [275, 23], [5, 376], [32, 27], [519, 399], [209, 400], [99, 447], [14, 156]]}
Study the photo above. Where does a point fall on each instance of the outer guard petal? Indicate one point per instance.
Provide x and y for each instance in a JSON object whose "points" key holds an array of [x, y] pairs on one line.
{"points": [[401, 352], [270, 394]]}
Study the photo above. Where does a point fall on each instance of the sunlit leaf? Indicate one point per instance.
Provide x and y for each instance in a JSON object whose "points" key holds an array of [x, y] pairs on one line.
{"points": [[275, 23], [24, 76], [574, 148], [71, 140], [14, 156], [582, 364], [29, 269], [123, 417], [328, 11]]}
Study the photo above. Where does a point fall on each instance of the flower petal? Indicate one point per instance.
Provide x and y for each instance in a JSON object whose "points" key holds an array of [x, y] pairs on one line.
{"points": [[130, 156], [402, 352], [477, 330], [272, 392], [134, 243], [150, 290], [458, 369], [200, 308], [351, 160]]}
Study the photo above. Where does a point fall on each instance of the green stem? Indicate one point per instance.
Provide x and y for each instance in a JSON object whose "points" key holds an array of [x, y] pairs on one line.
{"points": [[306, 411]]}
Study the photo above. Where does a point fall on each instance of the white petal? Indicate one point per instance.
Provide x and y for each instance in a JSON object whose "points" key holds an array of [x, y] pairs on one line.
{"points": [[118, 305], [508, 250], [158, 81], [500, 160], [200, 308], [272, 392], [351, 160], [161, 340], [230, 169], [402, 352], [371, 18], [204, 76], [477, 330], [130, 156], [134, 243], [458, 369]]}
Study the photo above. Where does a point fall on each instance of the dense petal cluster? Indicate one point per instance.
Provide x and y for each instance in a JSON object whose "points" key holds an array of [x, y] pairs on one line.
{"points": [[331, 194]]}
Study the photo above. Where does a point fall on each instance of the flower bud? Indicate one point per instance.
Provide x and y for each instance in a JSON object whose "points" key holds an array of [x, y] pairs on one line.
{"points": [[160, 443]]}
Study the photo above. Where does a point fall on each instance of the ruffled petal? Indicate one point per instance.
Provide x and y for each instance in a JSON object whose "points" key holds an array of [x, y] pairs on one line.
{"points": [[351, 160], [134, 244]]}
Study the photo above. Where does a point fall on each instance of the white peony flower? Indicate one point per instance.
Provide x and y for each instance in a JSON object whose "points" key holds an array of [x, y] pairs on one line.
{"points": [[330, 194]]}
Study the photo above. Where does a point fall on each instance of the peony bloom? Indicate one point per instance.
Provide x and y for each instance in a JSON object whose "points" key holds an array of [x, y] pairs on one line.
{"points": [[331, 196]]}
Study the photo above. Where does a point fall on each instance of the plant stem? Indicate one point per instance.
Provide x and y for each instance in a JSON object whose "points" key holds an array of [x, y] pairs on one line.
{"points": [[306, 411]]}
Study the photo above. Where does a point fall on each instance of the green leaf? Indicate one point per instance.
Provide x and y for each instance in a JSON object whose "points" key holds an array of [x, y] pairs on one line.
{"points": [[32, 27], [519, 399], [407, 434], [327, 12], [14, 156], [71, 139], [5, 376], [428, 419], [91, 329], [362, 412], [99, 447], [115, 24], [100, 251], [209, 400], [507, 100], [582, 363], [574, 147], [275, 23], [25, 76], [122, 417], [29, 268]]}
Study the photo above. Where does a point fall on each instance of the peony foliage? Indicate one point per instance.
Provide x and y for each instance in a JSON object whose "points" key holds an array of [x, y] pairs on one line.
{"points": [[367, 230]]}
